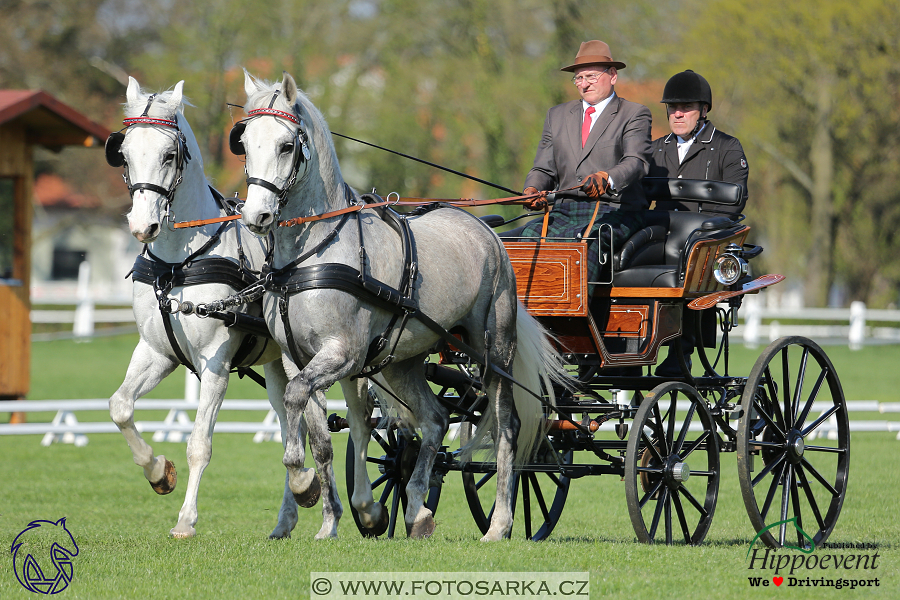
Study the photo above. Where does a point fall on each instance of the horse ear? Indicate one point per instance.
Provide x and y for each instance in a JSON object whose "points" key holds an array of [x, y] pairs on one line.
{"points": [[249, 84], [177, 94], [132, 94], [289, 88]]}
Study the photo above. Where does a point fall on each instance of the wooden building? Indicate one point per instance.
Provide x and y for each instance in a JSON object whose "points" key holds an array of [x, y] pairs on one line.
{"points": [[27, 118]]}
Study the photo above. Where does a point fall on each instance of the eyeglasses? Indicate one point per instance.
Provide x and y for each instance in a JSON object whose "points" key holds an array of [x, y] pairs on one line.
{"points": [[590, 78]]}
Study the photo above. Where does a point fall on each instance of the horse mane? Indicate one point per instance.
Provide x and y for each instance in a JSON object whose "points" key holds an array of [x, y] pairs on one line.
{"points": [[316, 125]]}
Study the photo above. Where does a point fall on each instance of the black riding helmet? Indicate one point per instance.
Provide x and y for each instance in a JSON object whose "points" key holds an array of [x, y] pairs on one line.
{"points": [[687, 86]]}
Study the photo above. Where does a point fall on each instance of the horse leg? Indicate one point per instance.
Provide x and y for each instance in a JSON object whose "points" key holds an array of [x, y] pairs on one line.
{"points": [[323, 454], [500, 392], [407, 380], [146, 369], [320, 373], [276, 380], [372, 514], [213, 384]]}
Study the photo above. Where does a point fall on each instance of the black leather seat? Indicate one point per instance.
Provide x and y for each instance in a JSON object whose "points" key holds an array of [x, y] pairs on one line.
{"points": [[655, 256]]}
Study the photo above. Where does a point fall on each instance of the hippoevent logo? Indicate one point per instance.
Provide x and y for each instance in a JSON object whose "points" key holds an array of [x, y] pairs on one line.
{"points": [[812, 567], [42, 556]]}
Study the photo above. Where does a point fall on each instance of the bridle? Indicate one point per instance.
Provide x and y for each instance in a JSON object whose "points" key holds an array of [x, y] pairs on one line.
{"points": [[115, 157], [300, 152]]}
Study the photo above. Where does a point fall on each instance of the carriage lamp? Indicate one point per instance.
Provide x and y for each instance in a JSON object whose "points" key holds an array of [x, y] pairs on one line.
{"points": [[729, 267]]}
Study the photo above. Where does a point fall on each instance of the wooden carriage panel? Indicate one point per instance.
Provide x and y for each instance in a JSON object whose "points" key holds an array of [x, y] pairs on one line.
{"points": [[576, 335], [700, 265], [627, 321], [551, 278]]}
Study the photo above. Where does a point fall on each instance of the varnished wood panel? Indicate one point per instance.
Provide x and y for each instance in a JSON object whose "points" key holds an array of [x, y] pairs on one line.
{"points": [[627, 321], [551, 278], [15, 339]]}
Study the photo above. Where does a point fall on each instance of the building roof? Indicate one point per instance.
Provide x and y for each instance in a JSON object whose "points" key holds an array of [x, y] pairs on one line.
{"points": [[48, 121]]}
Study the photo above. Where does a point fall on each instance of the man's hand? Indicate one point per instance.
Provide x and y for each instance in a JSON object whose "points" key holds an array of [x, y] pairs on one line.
{"points": [[595, 184], [537, 203]]}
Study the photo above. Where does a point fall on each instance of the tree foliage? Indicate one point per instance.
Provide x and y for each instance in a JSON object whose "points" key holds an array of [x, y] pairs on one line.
{"points": [[810, 88]]}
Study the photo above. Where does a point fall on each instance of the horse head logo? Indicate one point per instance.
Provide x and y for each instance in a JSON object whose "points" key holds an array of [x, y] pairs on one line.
{"points": [[35, 548]]}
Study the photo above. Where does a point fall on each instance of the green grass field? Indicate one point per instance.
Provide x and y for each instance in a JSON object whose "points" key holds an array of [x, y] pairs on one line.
{"points": [[121, 526]]}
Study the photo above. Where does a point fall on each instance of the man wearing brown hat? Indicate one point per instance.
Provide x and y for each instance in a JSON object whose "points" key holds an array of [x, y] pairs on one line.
{"points": [[600, 144]]}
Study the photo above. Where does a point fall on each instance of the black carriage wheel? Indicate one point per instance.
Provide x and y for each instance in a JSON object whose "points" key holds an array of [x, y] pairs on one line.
{"points": [[793, 471], [389, 474], [542, 493], [671, 468]]}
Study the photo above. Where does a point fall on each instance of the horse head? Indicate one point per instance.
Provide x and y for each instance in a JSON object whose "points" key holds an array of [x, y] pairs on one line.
{"points": [[154, 147], [283, 138]]}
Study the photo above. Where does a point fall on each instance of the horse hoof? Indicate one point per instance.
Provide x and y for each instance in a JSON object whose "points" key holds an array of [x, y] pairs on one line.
{"points": [[309, 498], [423, 528], [381, 525], [167, 483], [183, 535]]}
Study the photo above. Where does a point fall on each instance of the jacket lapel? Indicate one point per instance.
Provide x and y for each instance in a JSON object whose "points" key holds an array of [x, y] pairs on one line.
{"points": [[603, 121]]}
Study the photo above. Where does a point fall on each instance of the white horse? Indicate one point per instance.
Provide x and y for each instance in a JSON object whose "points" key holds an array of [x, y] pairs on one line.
{"points": [[462, 280], [183, 268]]}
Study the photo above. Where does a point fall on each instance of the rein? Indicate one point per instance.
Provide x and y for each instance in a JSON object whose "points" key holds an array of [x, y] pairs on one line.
{"points": [[460, 203]]}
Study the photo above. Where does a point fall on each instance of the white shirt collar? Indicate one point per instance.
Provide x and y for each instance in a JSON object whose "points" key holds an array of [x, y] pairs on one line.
{"points": [[598, 108]]}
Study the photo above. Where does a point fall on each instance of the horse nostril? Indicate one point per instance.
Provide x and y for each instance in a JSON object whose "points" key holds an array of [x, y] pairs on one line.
{"points": [[153, 230]]}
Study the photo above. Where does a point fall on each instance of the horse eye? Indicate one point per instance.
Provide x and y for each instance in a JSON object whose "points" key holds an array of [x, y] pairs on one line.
{"points": [[288, 147], [169, 158]]}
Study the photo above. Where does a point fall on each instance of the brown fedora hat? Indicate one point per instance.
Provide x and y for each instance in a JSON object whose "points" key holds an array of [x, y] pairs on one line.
{"points": [[594, 52]]}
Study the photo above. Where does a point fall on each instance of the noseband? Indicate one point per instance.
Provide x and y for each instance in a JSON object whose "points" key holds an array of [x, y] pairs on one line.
{"points": [[300, 152], [115, 157]]}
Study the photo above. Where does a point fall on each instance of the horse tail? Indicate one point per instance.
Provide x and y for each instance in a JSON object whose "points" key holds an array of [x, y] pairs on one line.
{"points": [[537, 366]]}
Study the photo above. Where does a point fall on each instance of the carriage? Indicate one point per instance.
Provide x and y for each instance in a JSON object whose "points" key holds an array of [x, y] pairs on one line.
{"points": [[662, 435], [600, 410]]}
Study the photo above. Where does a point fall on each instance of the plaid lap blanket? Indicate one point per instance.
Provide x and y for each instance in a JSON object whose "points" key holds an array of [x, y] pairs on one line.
{"points": [[569, 219]]}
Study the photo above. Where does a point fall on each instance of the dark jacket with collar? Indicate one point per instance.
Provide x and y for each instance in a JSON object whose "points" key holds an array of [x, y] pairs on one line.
{"points": [[713, 155], [619, 143]]}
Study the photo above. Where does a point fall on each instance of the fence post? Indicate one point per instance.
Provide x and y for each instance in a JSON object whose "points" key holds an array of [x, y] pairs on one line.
{"points": [[752, 321], [83, 327], [857, 324]]}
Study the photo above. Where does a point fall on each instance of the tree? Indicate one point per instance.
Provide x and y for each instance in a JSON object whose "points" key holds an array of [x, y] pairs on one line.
{"points": [[814, 99]]}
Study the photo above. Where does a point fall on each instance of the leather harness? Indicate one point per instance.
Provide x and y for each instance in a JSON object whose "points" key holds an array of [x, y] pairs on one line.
{"points": [[194, 270]]}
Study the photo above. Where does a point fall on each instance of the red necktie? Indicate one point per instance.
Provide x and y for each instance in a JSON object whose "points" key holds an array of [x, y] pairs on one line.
{"points": [[586, 126]]}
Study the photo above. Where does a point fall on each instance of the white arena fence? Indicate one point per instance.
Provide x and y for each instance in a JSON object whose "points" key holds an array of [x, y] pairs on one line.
{"points": [[177, 425]]}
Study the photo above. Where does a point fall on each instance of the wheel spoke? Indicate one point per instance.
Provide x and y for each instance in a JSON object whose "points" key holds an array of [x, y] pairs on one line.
{"points": [[785, 500], [387, 491], [811, 498], [395, 505], [681, 520], [786, 381], [695, 444], [690, 497], [487, 477], [798, 388], [795, 497], [652, 447], [668, 518], [539, 496], [380, 480], [773, 400], [822, 418], [656, 424], [526, 506], [658, 512], [812, 398], [650, 494], [385, 445], [825, 449], [770, 495], [670, 434], [684, 428], [776, 428], [766, 471], [815, 473]]}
